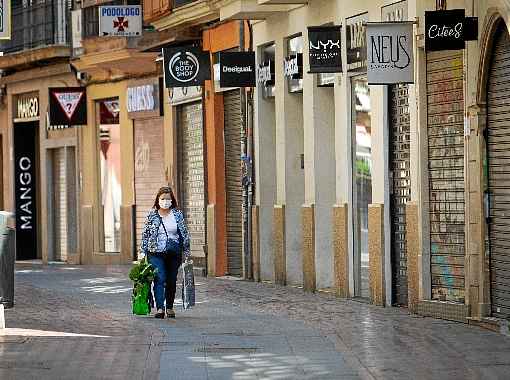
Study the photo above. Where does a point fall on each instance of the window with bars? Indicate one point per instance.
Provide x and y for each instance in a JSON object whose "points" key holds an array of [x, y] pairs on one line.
{"points": [[91, 16], [38, 23]]}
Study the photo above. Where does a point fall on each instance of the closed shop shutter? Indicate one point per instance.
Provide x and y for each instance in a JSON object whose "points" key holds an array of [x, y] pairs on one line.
{"points": [[233, 178], [498, 144], [192, 173], [400, 188], [60, 186], [149, 167], [445, 107]]}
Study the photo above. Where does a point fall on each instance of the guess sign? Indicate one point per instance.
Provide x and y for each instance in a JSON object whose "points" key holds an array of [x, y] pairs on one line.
{"points": [[444, 30], [186, 67], [68, 106], [143, 100]]}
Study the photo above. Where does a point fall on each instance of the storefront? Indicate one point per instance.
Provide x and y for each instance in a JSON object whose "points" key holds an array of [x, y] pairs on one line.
{"points": [[144, 108], [189, 143], [27, 175], [45, 169], [498, 175]]}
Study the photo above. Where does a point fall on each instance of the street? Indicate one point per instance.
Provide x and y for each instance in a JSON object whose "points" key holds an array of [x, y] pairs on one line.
{"points": [[74, 322]]}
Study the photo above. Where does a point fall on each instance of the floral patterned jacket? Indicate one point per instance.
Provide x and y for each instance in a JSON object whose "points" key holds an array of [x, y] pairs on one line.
{"points": [[150, 232]]}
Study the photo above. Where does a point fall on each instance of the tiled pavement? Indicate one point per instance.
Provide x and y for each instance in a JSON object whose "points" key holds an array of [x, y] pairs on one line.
{"points": [[74, 322]]}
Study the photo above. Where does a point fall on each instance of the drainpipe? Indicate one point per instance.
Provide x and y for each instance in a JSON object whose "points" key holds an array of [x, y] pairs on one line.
{"points": [[246, 180]]}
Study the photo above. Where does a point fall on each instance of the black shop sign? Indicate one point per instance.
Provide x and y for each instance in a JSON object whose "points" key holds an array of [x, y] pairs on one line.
{"points": [[356, 43], [186, 66], [444, 30], [237, 69], [68, 106], [325, 54], [25, 190]]}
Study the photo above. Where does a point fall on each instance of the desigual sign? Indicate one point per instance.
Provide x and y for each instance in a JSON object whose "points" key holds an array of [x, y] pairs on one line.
{"points": [[186, 67], [237, 69], [27, 108]]}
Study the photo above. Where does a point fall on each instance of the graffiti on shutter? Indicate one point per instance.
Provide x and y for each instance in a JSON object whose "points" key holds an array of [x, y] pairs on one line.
{"points": [[445, 105]]}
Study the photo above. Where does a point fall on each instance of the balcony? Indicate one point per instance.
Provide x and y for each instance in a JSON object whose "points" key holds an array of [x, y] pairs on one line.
{"points": [[40, 32]]}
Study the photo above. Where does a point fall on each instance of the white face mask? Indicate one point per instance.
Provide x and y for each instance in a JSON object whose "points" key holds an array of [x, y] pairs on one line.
{"points": [[165, 203]]}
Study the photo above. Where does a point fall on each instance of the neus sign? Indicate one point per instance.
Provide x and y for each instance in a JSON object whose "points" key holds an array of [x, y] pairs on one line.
{"points": [[444, 30], [390, 53], [325, 54], [186, 66]]}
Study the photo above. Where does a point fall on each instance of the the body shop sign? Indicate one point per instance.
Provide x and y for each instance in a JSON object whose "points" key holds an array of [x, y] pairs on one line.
{"points": [[444, 30], [186, 67], [120, 20], [390, 53]]}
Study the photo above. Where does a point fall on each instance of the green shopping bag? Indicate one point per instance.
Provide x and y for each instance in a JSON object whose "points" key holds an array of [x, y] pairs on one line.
{"points": [[142, 275], [141, 305]]}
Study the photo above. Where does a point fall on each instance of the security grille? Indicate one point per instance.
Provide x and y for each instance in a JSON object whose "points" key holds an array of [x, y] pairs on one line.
{"points": [[192, 174], [498, 145], [233, 178], [445, 98], [400, 188]]}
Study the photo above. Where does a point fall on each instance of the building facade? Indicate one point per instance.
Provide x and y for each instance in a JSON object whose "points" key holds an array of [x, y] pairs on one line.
{"points": [[391, 193]]}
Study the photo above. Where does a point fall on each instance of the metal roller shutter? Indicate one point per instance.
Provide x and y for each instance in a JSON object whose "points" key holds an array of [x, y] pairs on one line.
{"points": [[60, 186], [192, 173], [498, 147], [149, 167], [400, 188], [445, 100], [233, 178]]}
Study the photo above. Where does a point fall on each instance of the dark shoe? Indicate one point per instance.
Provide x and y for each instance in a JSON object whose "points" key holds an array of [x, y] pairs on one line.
{"points": [[170, 313], [160, 314]]}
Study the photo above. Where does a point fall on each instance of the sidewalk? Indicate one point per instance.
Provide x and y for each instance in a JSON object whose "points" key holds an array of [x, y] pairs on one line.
{"points": [[74, 322]]}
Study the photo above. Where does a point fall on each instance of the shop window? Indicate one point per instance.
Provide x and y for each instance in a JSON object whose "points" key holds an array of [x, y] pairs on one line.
{"points": [[362, 181], [110, 174]]}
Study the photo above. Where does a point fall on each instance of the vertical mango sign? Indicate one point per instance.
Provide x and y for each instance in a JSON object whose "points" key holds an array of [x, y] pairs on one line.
{"points": [[5, 20]]}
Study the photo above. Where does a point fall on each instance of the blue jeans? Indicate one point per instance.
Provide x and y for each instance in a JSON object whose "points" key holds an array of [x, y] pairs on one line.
{"points": [[165, 282]]}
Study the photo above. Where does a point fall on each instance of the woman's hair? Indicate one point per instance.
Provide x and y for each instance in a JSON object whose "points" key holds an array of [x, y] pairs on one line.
{"points": [[165, 190]]}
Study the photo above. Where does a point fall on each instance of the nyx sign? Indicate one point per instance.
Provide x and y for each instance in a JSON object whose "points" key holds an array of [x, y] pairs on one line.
{"points": [[444, 30], [293, 66], [265, 73], [324, 49], [356, 43]]}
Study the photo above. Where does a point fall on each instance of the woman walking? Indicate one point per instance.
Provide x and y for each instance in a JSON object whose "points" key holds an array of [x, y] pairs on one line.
{"points": [[164, 239]]}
